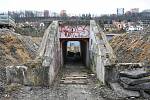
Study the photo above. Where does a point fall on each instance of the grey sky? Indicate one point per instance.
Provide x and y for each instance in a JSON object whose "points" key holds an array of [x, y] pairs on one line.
{"points": [[74, 6]]}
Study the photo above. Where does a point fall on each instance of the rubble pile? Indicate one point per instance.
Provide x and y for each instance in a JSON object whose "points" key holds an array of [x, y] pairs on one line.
{"points": [[132, 48], [136, 80], [131, 81], [15, 49]]}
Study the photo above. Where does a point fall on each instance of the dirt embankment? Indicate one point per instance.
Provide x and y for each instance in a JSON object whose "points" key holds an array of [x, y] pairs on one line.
{"points": [[15, 49], [132, 48]]}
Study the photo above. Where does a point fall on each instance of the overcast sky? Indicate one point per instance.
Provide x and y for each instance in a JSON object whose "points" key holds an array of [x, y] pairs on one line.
{"points": [[74, 6]]}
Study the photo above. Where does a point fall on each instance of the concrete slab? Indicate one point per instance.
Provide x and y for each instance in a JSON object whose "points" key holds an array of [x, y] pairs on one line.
{"points": [[143, 86], [132, 82], [83, 82], [134, 74], [78, 77], [123, 93]]}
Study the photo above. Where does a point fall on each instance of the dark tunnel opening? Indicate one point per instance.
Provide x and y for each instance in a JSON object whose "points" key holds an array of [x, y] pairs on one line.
{"points": [[75, 52]]}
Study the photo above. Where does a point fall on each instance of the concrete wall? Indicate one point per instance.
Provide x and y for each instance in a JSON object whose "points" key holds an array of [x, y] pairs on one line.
{"points": [[101, 53], [50, 51], [43, 69], [85, 52]]}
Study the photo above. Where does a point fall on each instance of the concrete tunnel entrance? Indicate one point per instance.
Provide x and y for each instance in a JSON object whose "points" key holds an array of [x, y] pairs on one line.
{"points": [[75, 51]]}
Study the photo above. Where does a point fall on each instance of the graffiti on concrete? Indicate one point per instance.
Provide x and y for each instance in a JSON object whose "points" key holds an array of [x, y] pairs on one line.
{"points": [[81, 31]]}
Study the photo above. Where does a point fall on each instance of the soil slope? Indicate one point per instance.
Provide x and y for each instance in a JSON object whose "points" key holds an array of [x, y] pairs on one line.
{"points": [[132, 48], [13, 50]]}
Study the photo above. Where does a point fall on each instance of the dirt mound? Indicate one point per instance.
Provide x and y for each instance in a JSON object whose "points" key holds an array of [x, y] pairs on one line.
{"points": [[13, 50], [132, 48]]}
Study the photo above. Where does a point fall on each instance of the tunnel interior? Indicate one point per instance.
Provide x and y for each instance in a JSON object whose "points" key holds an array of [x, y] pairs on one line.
{"points": [[75, 52]]}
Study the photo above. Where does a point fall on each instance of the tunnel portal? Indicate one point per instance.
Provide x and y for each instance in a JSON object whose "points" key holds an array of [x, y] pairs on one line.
{"points": [[75, 54], [74, 33]]}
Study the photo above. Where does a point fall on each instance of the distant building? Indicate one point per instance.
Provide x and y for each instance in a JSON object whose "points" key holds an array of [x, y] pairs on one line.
{"points": [[128, 13], [146, 13], [120, 11], [146, 10], [22, 14], [145, 21], [135, 10], [29, 14], [134, 28], [7, 21], [119, 25], [54, 14], [129, 26], [63, 13], [46, 13], [39, 14]]}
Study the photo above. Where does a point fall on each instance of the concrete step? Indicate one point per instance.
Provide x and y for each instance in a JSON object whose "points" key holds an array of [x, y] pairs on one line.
{"points": [[138, 87], [77, 75], [80, 82], [74, 77], [135, 74]]}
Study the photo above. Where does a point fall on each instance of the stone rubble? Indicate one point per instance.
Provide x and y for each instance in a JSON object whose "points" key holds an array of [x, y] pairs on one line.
{"points": [[137, 80]]}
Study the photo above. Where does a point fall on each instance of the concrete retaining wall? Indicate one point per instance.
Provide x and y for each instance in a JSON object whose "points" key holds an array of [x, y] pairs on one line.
{"points": [[101, 53], [50, 51], [43, 69]]}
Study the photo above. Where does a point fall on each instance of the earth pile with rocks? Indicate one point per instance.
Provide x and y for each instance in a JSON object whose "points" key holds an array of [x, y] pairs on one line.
{"points": [[15, 49], [132, 48]]}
